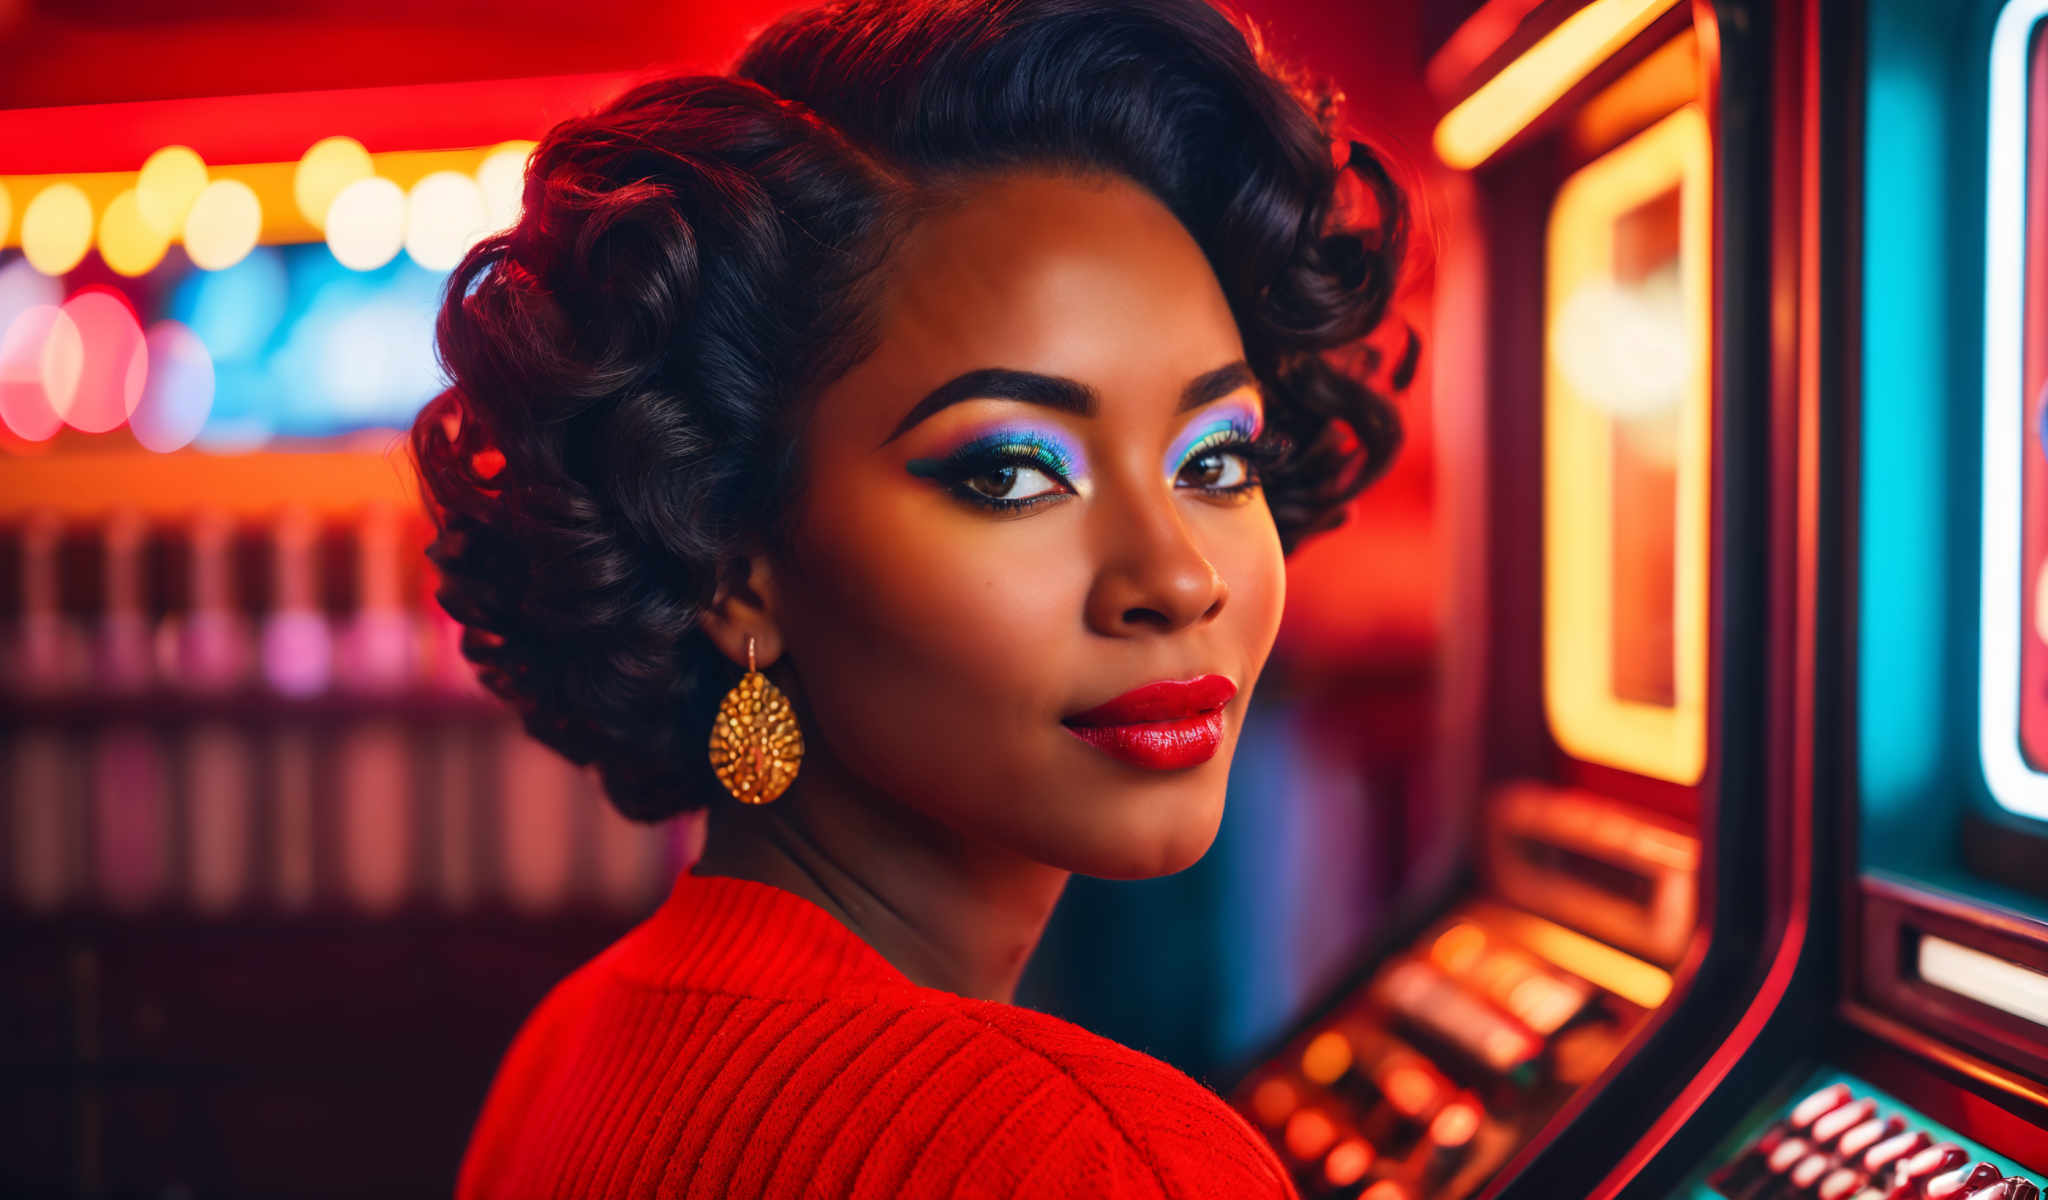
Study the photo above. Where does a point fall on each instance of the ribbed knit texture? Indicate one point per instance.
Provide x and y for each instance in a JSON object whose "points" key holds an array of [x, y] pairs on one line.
{"points": [[741, 1042]]}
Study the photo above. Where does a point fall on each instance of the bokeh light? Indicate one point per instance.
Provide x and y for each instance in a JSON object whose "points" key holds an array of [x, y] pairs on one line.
{"points": [[235, 311], [1624, 348], [99, 391], [56, 228], [168, 184], [1326, 1058], [25, 403], [358, 354], [179, 392], [444, 217], [1455, 1124], [6, 211], [223, 225], [1308, 1134], [1273, 1099], [502, 175], [63, 364], [22, 287], [1348, 1162], [129, 244], [377, 360], [366, 223], [328, 166]]}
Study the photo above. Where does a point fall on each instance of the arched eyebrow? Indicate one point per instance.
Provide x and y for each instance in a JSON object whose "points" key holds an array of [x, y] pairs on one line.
{"points": [[1059, 392]]}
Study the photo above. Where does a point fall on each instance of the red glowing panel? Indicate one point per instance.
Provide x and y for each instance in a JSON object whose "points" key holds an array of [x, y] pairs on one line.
{"points": [[2034, 396], [1643, 444]]}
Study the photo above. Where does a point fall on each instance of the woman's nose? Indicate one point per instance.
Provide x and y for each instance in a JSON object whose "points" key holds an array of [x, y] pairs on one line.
{"points": [[1153, 576]]}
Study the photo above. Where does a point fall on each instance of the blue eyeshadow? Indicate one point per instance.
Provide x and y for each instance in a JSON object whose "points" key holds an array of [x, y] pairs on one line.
{"points": [[1054, 450]]}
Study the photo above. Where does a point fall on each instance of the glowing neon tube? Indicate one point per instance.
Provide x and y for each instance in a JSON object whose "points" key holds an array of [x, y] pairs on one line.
{"points": [[2012, 782], [1505, 104]]}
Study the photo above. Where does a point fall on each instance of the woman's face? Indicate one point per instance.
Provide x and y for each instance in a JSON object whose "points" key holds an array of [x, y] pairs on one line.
{"points": [[959, 585]]}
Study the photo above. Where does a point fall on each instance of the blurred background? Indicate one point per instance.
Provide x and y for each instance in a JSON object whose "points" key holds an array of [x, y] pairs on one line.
{"points": [[278, 880]]}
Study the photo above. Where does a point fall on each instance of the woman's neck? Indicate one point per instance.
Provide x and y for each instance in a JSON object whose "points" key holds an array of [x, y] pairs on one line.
{"points": [[948, 914]]}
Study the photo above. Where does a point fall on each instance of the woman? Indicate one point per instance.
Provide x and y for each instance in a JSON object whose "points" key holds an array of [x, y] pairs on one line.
{"points": [[960, 367]]}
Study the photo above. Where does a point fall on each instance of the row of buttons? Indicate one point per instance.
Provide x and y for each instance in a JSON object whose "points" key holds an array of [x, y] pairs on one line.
{"points": [[1425, 1082], [1395, 1115], [1834, 1146]]}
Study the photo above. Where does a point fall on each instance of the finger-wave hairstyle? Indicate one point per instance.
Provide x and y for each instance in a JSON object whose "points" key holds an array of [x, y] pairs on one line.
{"points": [[630, 363]]}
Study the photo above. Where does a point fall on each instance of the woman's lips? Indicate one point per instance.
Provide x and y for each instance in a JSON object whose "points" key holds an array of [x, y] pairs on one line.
{"points": [[1162, 725]]}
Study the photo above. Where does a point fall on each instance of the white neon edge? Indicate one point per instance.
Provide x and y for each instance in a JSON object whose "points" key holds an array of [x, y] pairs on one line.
{"points": [[2013, 783], [1987, 979]]}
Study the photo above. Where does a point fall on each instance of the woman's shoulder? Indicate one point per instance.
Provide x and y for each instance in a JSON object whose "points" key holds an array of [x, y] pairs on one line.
{"points": [[902, 1091], [1131, 1106], [759, 1049]]}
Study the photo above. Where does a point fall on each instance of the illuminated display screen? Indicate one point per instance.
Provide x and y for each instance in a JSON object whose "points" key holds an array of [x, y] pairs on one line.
{"points": [[237, 306], [2013, 730], [286, 343], [1627, 400]]}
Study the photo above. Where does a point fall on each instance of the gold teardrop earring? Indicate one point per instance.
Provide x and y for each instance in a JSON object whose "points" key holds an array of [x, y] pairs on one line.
{"points": [[756, 746]]}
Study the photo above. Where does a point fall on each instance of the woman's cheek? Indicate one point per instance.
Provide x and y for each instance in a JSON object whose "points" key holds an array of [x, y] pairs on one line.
{"points": [[1259, 581], [935, 668], [966, 611], [1002, 605]]}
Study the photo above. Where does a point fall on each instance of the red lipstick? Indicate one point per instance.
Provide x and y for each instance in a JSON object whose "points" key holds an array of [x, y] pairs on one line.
{"points": [[1162, 725]]}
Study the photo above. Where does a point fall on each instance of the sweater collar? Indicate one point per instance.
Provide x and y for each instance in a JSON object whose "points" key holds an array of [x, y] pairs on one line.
{"points": [[739, 936]]}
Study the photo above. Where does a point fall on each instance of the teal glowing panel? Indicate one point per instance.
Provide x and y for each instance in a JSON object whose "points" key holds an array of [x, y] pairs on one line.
{"points": [[1916, 559], [1952, 474]]}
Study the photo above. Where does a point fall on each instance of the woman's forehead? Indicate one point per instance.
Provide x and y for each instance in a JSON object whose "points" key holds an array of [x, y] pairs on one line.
{"points": [[1038, 243], [1090, 278]]}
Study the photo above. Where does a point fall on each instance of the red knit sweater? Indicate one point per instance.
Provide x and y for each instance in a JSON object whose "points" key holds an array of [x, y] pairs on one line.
{"points": [[741, 1042]]}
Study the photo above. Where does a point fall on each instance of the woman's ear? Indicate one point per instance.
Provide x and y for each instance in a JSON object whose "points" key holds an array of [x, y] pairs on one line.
{"points": [[745, 603]]}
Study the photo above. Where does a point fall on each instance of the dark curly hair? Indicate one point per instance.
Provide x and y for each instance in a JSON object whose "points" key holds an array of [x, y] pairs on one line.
{"points": [[631, 362]]}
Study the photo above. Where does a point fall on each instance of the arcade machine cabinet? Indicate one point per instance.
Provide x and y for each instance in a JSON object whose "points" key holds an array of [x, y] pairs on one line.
{"points": [[1607, 272], [1905, 1057]]}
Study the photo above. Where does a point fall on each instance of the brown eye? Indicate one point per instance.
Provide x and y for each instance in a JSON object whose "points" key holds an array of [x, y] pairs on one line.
{"points": [[999, 481], [1222, 469]]}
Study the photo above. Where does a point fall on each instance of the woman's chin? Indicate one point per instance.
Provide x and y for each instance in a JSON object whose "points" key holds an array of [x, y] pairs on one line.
{"points": [[1147, 849]]}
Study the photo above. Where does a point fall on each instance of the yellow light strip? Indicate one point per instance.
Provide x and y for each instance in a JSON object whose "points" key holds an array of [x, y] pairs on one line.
{"points": [[272, 183], [1666, 78], [1588, 720], [1597, 963], [1505, 104]]}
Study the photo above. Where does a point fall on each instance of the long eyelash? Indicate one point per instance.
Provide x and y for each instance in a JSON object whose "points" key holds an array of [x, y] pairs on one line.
{"points": [[994, 453], [1260, 452], [1270, 449]]}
